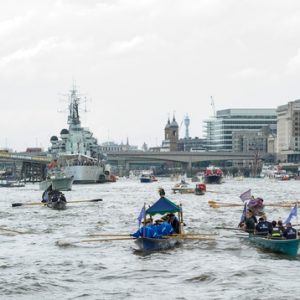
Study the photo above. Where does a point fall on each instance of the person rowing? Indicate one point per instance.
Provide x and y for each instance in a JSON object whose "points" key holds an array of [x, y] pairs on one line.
{"points": [[51, 195], [290, 232], [263, 227]]}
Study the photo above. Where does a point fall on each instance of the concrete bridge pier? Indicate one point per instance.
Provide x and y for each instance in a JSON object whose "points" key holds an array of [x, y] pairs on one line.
{"points": [[188, 169], [123, 167]]}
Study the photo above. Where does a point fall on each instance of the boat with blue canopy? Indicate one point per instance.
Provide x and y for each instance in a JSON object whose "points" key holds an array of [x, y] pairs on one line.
{"points": [[161, 207]]}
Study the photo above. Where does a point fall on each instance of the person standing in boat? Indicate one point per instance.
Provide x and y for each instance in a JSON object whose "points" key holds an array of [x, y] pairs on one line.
{"points": [[290, 232], [162, 193], [250, 222]]}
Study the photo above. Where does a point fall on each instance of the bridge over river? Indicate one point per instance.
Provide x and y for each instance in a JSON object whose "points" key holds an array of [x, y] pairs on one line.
{"points": [[124, 159], [29, 167]]}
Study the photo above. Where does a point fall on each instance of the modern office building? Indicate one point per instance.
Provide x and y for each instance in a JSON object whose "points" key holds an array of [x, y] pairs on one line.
{"points": [[219, 130], [288, 131]]}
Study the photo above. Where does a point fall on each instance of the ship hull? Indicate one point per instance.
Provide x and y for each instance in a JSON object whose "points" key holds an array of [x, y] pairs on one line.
{"points": [[211, 179], [60, 184], [85, 174]]}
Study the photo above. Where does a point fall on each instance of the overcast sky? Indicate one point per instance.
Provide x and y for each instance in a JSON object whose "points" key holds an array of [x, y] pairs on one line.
{"points": [[141, 60]]}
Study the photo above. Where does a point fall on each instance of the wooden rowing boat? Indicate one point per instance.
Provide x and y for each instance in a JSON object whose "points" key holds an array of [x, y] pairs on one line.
{"points": [[58, 205], [153, 244], [283, 246]]}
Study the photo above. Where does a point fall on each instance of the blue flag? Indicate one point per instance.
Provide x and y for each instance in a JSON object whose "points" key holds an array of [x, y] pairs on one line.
{"points": [[292, 214], [141, 215]]}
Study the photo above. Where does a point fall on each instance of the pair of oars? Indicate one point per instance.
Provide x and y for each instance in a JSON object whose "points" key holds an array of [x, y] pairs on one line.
{"points": [[42, 203], [126, 237], [215, 204]]}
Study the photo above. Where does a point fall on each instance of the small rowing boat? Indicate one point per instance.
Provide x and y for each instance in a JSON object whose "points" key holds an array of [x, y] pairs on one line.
{"points": [[58, 205], [161, 207], [183, 188], [277, 245], [55, 200]]}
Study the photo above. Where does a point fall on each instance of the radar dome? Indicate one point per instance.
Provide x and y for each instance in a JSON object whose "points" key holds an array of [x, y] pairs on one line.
{"points": [[54, 138], [64, 131]]}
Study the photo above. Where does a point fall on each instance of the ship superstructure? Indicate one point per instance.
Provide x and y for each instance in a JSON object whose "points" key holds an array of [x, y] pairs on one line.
{"points": [[77, 151]]}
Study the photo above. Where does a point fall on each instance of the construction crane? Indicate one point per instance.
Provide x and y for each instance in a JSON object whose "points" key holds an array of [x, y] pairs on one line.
{"points": [[212, 103]]}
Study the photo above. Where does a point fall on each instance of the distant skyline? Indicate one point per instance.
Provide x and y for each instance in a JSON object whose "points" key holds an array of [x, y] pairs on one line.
{"points": [[139, 61]]}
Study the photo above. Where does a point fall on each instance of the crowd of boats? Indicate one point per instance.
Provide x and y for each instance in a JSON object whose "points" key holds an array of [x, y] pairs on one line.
{"points": [[76, 158]]}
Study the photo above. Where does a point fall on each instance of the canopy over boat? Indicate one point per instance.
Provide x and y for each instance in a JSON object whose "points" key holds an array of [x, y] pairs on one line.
{"points": [[163, 206]]}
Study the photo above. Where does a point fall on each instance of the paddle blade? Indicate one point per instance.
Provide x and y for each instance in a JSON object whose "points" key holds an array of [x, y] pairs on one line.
{"points": [[16, 204], [96, 200]]}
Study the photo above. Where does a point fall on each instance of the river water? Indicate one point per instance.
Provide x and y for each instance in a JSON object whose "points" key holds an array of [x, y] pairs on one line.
{"points": [[33, 266]]}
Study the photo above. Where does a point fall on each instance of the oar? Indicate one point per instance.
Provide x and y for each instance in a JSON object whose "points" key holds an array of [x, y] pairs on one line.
{"points": [[12, 230], [66, 243], [216, 192], [186, 237], [215, 204], [27, 204], [42, 203], [107, 234], [79, 201], [228, 228]]}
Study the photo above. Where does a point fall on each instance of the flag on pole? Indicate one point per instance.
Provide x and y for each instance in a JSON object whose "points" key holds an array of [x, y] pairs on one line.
{"points": [[246, 195], [292, 214], [141, 215], [243, 216]]}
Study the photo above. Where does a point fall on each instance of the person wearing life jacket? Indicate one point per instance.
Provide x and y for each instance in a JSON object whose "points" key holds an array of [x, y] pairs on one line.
{"points": [[290, 232], [263, 227], [276, 232]]}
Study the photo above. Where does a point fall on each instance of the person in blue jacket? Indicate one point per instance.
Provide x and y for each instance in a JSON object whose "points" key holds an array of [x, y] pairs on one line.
{"points": [[164, 228], [263, 227], [145, 231], [290, 232]]}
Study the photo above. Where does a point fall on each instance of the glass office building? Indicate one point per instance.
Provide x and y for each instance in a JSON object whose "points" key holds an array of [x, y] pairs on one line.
{"points": [[219, 130]]}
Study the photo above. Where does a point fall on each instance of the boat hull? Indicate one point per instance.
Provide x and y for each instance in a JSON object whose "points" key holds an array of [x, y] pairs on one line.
{"points": [[145, 180], [287, 247], [85, 174], [59, 184], [183, 190], [213, 179], [150, 244], [57, 205]]}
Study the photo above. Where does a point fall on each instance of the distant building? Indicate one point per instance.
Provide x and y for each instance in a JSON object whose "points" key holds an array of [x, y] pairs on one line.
{"points": [[34, 150], [220, 130], [288, 131], [170, 143], [249, 141], [192, 144], [114, 147]]}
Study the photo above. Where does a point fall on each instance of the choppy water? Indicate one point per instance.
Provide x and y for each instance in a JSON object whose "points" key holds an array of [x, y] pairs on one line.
{"points": [[32, 266]]}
